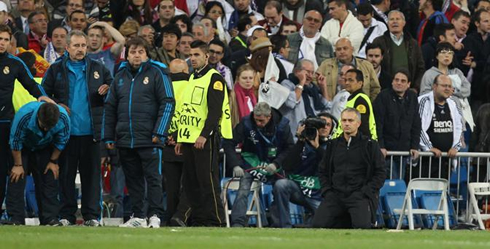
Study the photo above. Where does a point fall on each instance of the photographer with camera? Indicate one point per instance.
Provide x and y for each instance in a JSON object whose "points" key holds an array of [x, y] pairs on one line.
{"points": [[302, 185], [265, 139]]}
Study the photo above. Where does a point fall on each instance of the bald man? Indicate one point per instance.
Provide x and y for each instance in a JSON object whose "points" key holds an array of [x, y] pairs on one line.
{"points": [[344, 54], [179, 66], [177, 204]]}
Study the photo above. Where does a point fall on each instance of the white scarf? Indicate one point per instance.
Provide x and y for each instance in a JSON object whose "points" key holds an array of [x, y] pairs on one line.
{"points": [[307, 48], [50, 53]]}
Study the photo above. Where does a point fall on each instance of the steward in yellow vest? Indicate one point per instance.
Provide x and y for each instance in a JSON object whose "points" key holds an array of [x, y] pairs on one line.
{"points": [[203, 116], [361, 102], [173, 165]]}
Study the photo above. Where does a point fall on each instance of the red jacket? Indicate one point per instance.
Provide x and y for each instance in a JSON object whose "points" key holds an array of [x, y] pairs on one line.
{"points": [[34, 43]]}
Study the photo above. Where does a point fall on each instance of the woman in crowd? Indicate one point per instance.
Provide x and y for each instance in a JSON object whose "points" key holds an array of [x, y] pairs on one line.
{"points": [[462, 87], [140, 11], [242, 97], [215, 11]]}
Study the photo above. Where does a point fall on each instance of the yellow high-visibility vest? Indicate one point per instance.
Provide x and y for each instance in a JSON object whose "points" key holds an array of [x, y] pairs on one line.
{"points": [[179, 87], [372, 121], [21, 96], [193, 110]]}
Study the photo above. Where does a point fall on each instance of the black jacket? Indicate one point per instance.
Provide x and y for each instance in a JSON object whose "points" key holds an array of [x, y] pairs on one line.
{"points": [[415, 59], [397, 120], [56, 82], [480, 50], [12, 68], [355, 166], [246, 134], [385, 79], [139, 107]]}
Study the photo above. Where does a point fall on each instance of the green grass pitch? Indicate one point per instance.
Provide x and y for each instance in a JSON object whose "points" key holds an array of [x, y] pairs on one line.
{"points": [[107, 237]]}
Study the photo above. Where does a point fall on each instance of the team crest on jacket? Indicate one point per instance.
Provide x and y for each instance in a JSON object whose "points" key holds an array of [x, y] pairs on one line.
{"points": [[146, 80], [6, 70], [96, 75]]}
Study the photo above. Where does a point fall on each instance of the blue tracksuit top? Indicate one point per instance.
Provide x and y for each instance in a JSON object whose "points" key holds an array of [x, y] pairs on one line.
{"points": [[25, 132], [80, 117]]}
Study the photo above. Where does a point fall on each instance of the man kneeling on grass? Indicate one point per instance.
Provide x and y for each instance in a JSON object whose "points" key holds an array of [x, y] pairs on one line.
{"points": [[351, 174]]}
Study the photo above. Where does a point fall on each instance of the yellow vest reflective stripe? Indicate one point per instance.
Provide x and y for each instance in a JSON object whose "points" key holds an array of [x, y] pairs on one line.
{"points": [[193, 110], [372, 121], [179, 87], [241, 41], [21, 96]]}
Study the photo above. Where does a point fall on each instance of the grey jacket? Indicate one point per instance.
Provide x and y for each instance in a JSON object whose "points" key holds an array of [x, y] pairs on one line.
{"points": [[323, 48], [462, 89]]}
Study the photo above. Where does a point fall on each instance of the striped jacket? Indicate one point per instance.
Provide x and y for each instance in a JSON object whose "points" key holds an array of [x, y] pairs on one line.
{"points": [[25, 132], [426, 110], [139, 107]]}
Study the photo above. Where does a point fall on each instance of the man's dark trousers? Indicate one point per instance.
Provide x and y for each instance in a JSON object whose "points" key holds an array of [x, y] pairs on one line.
{"points": [[82, 153], [343, 210], [47, 188], [142, 165], [201, 183], [5, 158]]}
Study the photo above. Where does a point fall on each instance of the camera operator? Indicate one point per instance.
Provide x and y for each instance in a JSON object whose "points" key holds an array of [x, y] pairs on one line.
{"points": [[266, 138], [302, 185]]}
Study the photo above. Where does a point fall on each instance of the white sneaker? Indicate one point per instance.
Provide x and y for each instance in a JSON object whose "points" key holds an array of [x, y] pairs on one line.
{"points": [[92, 223], [65, 222], [154, 222], [134, 223]]}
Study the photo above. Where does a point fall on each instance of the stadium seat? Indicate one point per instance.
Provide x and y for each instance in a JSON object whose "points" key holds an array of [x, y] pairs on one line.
{"points": [[254, 208], [430, 200], [297, 213], [440, 185], [476, 191], [390, 198]]}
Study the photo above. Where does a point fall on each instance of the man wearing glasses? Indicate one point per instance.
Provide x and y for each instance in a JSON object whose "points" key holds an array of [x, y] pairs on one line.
{"points": [[308, 43], [38, 25], [216, 54], [442, 127], [305, 98]]}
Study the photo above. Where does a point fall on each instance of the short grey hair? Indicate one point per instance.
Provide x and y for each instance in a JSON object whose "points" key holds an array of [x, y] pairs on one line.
{"points": [[204, 29], [394, 12], [262, 109], [300, 63], [140, 30], [350, 109], [75, 33]]}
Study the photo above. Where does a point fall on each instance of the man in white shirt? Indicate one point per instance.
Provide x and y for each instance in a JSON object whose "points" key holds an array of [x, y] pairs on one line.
{"points": [[342, 25], [372, 27]]}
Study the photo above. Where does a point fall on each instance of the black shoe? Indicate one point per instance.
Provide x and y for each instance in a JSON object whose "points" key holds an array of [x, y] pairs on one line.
{"points": [[12, 223], [177, 222], [54, 223]]}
